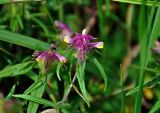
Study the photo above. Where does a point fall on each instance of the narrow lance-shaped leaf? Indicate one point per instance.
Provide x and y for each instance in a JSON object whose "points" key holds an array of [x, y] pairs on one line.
{"points": [[16, 70], [58, 70], [35, 99], [155, 107], [81, 81], [99, 66], [11, 92]]}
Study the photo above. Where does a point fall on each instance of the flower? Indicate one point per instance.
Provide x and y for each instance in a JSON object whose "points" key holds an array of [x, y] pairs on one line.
{"points": [[48, 56], [64, 29], [81, 42]]}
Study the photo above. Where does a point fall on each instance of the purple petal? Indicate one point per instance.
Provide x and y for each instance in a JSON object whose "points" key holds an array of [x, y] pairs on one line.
{"points": [[88, 37], [65, 29], [61, 58], [96, 44], [84, 37], [36, 54], [41, 56]]}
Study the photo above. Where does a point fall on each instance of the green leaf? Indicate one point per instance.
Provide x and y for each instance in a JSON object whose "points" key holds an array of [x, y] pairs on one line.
{"points": [[32, 75], [22, 40], [155, 107], [99, 66], [16, 70], [34, 99], [32, 107], [38, 92], [139, 2], [58, 70]]}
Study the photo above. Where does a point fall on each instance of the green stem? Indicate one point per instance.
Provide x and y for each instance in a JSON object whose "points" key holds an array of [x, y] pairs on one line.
{"points": [[107, 7], [101, 18], [123, 94]]}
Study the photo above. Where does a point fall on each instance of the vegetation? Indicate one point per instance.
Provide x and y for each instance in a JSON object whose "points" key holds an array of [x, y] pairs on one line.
{"points": [[79, 56]]}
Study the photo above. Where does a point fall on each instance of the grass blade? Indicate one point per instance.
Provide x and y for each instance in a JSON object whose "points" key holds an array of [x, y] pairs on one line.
{"points": [[22, 40], [155, 30], [145, 50], [17, 1], [155, 107], [33, 87], [139, 2]]}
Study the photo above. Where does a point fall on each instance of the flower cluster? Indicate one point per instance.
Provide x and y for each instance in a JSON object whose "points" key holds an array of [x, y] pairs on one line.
{"points": [[48, 56], [80, 42]]}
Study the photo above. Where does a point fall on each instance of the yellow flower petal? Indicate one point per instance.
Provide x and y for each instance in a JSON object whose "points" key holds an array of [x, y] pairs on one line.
{"points": [[67, 39], [100, 46], [38, 60]]}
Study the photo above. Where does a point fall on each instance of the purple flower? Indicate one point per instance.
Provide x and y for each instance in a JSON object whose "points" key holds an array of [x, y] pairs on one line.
{"points": [[48, 56], [81, 42], [64, 29]]}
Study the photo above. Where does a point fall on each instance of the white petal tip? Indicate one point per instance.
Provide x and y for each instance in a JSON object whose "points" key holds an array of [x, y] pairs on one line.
{"points": [[84, 32]]}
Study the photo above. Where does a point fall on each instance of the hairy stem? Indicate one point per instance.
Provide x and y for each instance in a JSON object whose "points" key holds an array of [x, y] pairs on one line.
{"points": [[69, 89]]}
